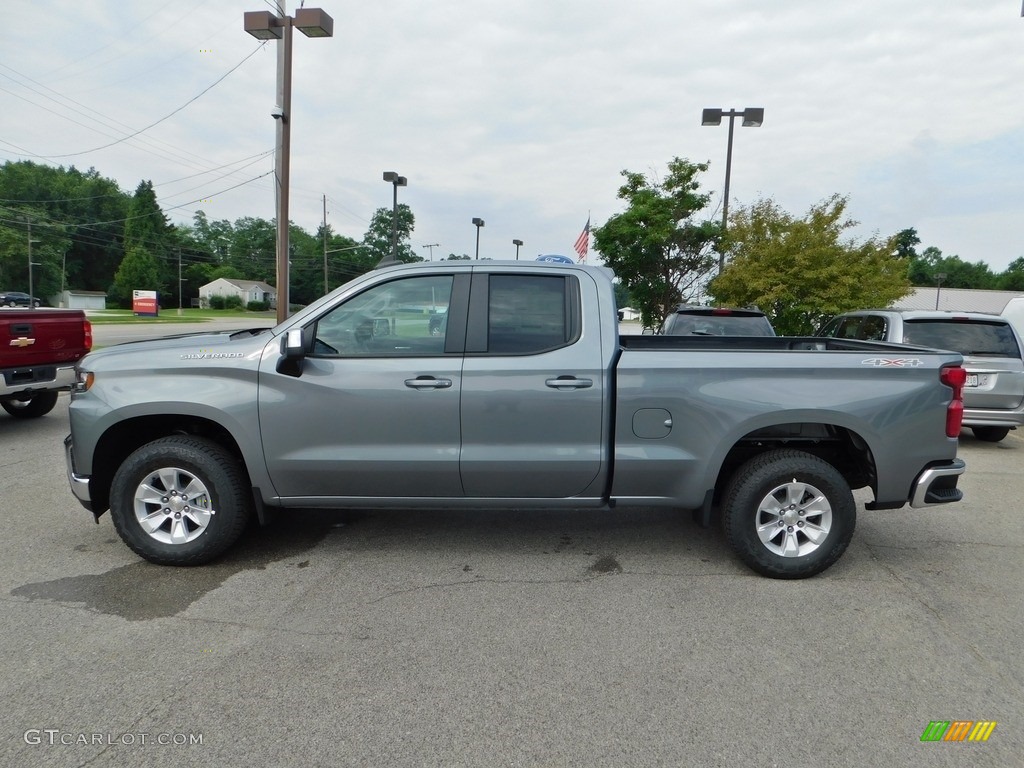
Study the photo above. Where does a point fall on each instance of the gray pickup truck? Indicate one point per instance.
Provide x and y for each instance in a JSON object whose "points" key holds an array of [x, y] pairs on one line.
{"points": [[505, 385]]}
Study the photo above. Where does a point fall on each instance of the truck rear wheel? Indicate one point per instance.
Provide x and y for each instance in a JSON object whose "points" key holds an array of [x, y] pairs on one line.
{"points": [[38, 405], [788, 514], [179, 501]]}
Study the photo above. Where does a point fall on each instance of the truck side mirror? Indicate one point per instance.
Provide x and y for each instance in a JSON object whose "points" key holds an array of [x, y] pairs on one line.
{"points": [[293, 350]]}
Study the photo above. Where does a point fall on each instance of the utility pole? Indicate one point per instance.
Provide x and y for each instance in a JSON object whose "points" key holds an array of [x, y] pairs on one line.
{"points": [[326, 289], [179, 281], [431, 246]]}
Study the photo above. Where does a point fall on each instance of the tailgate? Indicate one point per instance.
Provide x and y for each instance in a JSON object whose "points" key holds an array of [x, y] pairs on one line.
{"points": [[993, 383], [41, 337]]}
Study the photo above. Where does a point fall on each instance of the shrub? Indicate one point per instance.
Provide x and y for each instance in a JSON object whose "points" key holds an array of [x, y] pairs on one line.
{"points": [[258, 306], [216, 302]]}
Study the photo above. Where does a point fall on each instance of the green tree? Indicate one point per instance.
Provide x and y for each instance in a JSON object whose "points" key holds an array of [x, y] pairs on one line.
{"points": [[78, 217], [1013, 278], [905, 242], [378, 235], [957, 273], [253, 249], [657, 247], [801, 272], [139, 270], [148, 230]]}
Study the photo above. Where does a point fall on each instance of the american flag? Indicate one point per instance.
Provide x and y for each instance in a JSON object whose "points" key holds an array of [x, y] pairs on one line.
{"points": [[583, 242]]}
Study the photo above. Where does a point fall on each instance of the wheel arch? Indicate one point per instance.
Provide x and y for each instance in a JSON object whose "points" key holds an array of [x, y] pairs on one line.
{"points": [[125, 437], [842, 447]]}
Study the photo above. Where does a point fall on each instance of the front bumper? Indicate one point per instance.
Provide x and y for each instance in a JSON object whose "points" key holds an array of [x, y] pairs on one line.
{"points": [[937, 484], [79, 483]]}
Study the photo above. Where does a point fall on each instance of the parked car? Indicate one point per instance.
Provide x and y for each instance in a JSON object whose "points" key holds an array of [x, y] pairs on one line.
{"points": [[18, 299], [992, 350], [698, 320]]}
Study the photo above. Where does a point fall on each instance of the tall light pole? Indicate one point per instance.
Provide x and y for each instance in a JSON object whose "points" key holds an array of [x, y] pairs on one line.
{"points": [[939, 277], [478, 222], [396, 182], [752, 118], [264, 25], [517, 243], [431, 246]]}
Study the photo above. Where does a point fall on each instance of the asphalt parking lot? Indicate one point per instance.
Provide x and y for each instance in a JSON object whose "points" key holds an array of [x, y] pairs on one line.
{"points": [[489, 639]]}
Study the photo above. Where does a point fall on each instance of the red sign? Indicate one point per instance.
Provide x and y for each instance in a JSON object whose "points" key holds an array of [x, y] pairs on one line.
{"points": [[145, 303]]}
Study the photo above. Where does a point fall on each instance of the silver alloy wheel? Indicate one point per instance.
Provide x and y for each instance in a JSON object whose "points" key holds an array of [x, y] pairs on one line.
{"points": [[173, 506], [793, 519]]}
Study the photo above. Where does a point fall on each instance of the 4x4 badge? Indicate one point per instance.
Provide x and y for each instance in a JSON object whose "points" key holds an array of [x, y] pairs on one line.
{"points": [[893, 362]]}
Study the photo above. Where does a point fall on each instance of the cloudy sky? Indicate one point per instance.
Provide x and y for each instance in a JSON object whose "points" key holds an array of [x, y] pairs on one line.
{"points": [[524, 112]]}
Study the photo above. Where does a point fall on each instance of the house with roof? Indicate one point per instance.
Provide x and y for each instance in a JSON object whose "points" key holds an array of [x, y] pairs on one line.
{"points": [[245, 290]]}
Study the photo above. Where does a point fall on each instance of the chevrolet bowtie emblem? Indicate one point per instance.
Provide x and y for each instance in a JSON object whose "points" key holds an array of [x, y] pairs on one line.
{"points": [[23, 341]]}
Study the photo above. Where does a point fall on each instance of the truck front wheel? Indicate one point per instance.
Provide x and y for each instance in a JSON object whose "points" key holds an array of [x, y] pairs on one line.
{"points": [[38, 405], [788, 514], [179, 501]]}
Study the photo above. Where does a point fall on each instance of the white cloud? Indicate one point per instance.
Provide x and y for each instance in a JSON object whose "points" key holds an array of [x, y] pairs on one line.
{"points": [[524, 113]]}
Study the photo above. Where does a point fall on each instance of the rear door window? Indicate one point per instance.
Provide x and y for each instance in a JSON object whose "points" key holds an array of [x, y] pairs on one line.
{"points": [[968, 337]]}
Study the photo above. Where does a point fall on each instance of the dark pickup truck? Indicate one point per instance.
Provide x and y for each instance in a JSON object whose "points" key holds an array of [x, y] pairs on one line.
{"points": [[38, 352]]}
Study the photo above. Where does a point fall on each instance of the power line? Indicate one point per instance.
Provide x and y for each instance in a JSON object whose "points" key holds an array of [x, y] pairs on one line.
{"points": [[157, 122]]}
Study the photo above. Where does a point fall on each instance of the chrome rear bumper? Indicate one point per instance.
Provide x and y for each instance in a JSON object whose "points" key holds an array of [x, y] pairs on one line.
{"points": [[937, 485]]}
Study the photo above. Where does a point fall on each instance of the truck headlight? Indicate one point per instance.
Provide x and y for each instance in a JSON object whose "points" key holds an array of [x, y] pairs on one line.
{"points": [[83, 381]]}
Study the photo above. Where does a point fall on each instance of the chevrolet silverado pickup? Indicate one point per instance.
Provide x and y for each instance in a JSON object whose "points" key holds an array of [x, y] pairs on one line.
{"points": [[523, 396], [38, 352]]}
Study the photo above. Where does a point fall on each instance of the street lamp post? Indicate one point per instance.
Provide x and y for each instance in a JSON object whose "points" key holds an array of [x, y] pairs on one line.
{"points": [[396, 181], [431, 246], [264, 25], [752, 118], [478, 222], [939, 277], [517, 243]]}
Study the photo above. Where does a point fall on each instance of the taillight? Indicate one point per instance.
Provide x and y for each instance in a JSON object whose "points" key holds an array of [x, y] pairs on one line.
{"points": [[88, 335], [954, 377]]}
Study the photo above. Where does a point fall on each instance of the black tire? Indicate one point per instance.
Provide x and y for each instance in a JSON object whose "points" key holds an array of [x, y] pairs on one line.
{"points": [[775, 500], [206, 493], [990, 434], [38, 405]]}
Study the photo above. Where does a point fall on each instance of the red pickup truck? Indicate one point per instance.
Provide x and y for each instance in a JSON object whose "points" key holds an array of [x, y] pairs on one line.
{"points": [[38, 352]]}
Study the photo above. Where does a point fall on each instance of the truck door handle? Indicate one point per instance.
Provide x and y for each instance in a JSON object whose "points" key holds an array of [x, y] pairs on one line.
{"points": [[428, 382], [568, 382]]}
